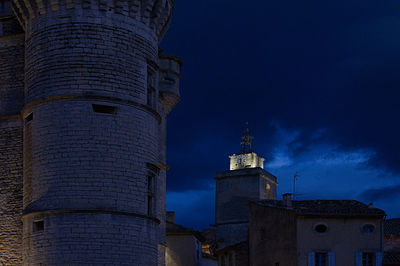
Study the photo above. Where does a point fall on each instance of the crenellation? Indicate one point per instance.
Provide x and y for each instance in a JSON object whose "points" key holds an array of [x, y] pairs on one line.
{"points": [[154, 14]]}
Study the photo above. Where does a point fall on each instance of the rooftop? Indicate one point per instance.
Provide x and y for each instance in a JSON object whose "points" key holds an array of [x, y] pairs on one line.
{"points": [[327, 207], [176, 229], [391, 258]]}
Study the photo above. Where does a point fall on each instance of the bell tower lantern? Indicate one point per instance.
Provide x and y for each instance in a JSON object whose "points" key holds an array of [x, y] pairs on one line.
{"points": [[246, 180]]}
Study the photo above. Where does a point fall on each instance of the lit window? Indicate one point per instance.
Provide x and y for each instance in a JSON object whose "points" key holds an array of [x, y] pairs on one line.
{"points": [[268, 189]]}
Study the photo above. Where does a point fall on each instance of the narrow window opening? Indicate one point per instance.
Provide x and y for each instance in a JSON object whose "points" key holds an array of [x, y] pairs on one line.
{"points": [[151, 188], [149, 205], [29, 117], [104, 109], [38, 226], [150, 97], [151, 87], [268, 191], [169, 80]]}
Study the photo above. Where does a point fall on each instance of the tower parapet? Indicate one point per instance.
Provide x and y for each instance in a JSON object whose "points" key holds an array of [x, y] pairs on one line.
{"points": [[149, 15]]}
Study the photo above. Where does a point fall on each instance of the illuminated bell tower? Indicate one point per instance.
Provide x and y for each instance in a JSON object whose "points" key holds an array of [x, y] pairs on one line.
{"points": [[246, 180]]}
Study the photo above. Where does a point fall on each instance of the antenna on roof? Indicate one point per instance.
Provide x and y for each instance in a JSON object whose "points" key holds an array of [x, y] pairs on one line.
{"points": [[296, 175]]}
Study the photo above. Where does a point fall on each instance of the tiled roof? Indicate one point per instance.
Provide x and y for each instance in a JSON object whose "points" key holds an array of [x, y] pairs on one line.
{"points": [[176, 229], [328, 207], [392, 226], [391, 258]]}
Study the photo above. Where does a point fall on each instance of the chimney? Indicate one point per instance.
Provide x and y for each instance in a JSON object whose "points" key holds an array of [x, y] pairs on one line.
{"points": [[171, 217], [287, 200]]}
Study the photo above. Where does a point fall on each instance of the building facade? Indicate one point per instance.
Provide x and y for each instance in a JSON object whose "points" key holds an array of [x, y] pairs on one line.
{"points": [[84, 96], [392, 242], [315, 233], [183, 244]]}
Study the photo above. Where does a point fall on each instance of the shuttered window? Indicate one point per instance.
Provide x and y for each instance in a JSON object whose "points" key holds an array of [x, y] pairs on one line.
{"points": [[321, 259]]}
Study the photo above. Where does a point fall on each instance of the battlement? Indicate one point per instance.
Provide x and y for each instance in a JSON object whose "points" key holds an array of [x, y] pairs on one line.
{"points": [[155, 14]]}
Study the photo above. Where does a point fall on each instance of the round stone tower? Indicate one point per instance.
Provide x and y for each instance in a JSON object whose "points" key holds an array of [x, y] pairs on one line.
{"points": [[11, 131], [94, 164]]}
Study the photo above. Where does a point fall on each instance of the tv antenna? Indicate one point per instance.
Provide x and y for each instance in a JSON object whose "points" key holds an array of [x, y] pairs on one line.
{"points": [[296, 175]]}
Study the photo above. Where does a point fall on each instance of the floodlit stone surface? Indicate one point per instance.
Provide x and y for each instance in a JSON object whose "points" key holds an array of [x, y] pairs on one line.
{"points": [[87, 91]]}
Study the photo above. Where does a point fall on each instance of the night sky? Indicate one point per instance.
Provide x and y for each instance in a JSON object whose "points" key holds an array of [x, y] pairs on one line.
{"points": [[317, 81]]}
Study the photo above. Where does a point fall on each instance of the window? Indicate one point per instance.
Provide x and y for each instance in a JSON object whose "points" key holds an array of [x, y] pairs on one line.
{"points": [[206, 248], [368, 228], [368, 259], [268, 190], [29, 118], [321, 259], [151, 187], [150, 194], [38, 226], [104, 109], [321, 228], [151, 87]]}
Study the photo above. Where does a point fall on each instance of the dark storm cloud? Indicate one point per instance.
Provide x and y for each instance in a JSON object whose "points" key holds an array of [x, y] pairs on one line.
{"points": [[384, 194], [310, 65]]}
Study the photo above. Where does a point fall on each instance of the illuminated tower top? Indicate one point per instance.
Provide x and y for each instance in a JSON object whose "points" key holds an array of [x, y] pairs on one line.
{"points": [[247, 158]]}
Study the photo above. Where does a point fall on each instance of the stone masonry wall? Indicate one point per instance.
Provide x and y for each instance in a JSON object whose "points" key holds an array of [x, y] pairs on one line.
{"points": [[86, 171], [114, 240], [11, 136], [11, 74], [272, 236], [10, 191], [82, 159]]}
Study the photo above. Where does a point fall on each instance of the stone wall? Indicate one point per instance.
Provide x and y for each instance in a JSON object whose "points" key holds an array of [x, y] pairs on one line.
{"points": [[344, 238], [10, 191], [272, 236], [94, 131], [11, 136], [234, 189]]}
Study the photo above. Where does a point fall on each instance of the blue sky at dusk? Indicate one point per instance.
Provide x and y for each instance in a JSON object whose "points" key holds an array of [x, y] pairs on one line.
{"points": [[318, 82]]}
